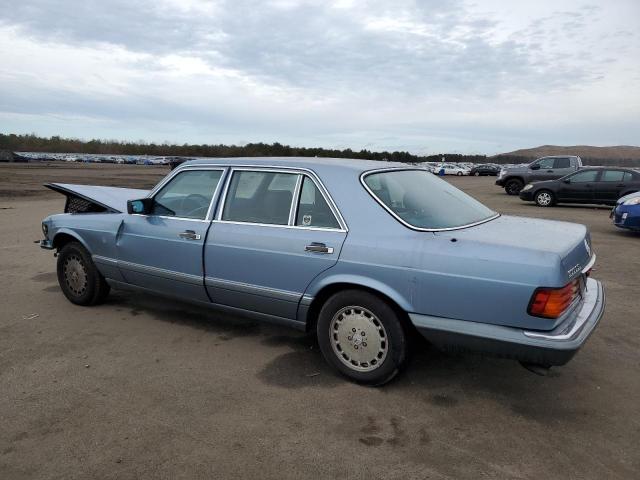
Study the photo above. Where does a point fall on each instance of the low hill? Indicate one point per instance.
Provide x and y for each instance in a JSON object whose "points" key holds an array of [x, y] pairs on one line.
{"points": [[615, 155]]}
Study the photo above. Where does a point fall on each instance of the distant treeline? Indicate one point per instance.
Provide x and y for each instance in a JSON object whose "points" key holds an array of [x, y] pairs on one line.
{"points": [[57, 144]]}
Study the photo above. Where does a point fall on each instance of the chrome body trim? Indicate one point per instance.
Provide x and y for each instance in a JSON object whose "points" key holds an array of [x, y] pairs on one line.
{"points": [[252, 289], [589, 265], [394, 215], [160, 272], [270, 168], [295, 201]]}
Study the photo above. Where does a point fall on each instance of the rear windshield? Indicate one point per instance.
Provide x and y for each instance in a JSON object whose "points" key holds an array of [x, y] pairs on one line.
{"points": [[424, 201]]}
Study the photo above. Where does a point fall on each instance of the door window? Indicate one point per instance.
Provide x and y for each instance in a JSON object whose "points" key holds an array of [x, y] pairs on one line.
{"points": [[546, 163], [584, 177], [613, 176], [187, 195], [260, 197], [562, 162], [313, 209]]}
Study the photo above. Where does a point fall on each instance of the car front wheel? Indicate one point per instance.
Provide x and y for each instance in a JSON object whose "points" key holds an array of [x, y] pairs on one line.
{"points": [[362, 337], [544, 198], [79, 279]]}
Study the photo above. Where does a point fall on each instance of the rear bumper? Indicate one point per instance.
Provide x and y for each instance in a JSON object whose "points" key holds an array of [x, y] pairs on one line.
{"points": [[555, 347]]}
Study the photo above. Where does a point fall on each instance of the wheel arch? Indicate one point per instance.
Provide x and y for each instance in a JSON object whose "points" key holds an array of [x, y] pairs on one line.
{"points": [[64, 236], [514, 177], [331, 286]]}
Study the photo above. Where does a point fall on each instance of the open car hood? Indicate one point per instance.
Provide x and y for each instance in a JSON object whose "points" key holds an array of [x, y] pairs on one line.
{"points": [[96, 199]]}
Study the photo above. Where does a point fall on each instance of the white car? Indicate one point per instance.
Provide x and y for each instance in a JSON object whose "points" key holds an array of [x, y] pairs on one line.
{"points": [[452, 169]]}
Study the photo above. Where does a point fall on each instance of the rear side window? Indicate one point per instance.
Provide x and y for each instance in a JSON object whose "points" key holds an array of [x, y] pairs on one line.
{"points": [[423, 201], [313, 210], [260, 197], [562, 162], [187, 195], [584, 177], [613, 176]]}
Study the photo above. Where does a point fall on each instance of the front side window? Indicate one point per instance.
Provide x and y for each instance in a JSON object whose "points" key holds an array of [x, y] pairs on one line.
{"points": [[584, 177], [546, 163], [187, 195], [424, 201], [313, 209], [260, 197], [562, 162], [613, 176]]}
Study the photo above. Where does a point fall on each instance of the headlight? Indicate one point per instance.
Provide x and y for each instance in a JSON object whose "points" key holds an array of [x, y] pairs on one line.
{"points": [[632, 201], [527, 187], [45, 229]]}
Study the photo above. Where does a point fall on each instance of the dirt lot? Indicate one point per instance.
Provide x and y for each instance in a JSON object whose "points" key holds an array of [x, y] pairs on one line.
{"points": [[147, 388]]}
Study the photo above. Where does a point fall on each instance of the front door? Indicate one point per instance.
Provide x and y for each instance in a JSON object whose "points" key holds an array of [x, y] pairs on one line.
{"points": [[544, 171], [162, 250], [578, 187], [274, 234]]}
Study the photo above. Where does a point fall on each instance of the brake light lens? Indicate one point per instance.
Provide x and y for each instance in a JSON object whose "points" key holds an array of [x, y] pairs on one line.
{"points": [[552, 302]]}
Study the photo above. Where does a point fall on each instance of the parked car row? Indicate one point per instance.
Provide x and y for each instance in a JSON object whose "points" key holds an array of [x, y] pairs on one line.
{"points": [[459, 169], [548, 181]]}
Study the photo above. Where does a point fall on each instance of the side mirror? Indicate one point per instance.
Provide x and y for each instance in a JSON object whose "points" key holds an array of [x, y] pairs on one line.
{"points": [[535, 167], [141, 207]]}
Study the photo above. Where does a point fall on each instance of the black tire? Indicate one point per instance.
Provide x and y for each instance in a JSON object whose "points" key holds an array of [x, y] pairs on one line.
{"points": [[513, 186], [544, 198], [79, 279], [477, 174], [459, 174], [386, 331]]}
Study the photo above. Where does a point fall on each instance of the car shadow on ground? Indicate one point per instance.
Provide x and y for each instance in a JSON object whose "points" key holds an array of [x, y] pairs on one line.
{"points": [[443, 380]]}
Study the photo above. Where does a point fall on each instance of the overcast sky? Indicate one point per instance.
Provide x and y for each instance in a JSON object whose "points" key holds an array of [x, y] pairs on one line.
{"points": [[424, 76]]}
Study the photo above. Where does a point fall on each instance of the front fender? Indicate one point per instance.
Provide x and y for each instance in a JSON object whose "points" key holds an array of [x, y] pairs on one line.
{"points": [[71, 233]]}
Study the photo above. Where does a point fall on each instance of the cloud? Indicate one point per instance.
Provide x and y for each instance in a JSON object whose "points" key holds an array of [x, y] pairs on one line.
{"points": [[319, 71]]}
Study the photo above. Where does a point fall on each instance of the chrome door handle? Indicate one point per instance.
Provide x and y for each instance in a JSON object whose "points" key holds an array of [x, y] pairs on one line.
{"points": [[317, 247], [189, 235]]}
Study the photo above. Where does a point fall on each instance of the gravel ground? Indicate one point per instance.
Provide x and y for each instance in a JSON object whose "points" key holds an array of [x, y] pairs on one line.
{"points": [[143, 387]]}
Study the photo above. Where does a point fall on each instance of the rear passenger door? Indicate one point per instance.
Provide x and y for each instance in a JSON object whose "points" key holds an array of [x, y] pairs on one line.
{"points": [[275, 231], [561, 167], [611, 185]]}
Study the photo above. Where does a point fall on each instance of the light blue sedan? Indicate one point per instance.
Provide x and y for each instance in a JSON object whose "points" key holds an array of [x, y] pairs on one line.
{"points": [[364, 253]]}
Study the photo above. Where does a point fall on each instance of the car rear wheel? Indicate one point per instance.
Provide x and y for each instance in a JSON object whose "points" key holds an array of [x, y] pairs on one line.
{"points": [[513, 186], [459, 174], [477, 174], [544, 198], [362, 337], [79, 279]]}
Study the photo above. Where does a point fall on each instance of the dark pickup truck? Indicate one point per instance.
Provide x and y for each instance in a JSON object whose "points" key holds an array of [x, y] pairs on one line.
{"points": [[545, 168]]}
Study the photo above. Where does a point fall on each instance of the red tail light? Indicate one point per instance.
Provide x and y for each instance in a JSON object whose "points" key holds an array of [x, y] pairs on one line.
{"points": [[552, 302]]}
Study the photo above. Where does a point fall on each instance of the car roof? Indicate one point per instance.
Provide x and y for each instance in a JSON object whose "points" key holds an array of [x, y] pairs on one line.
{"points": [[624, 169], [311, 163]]}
